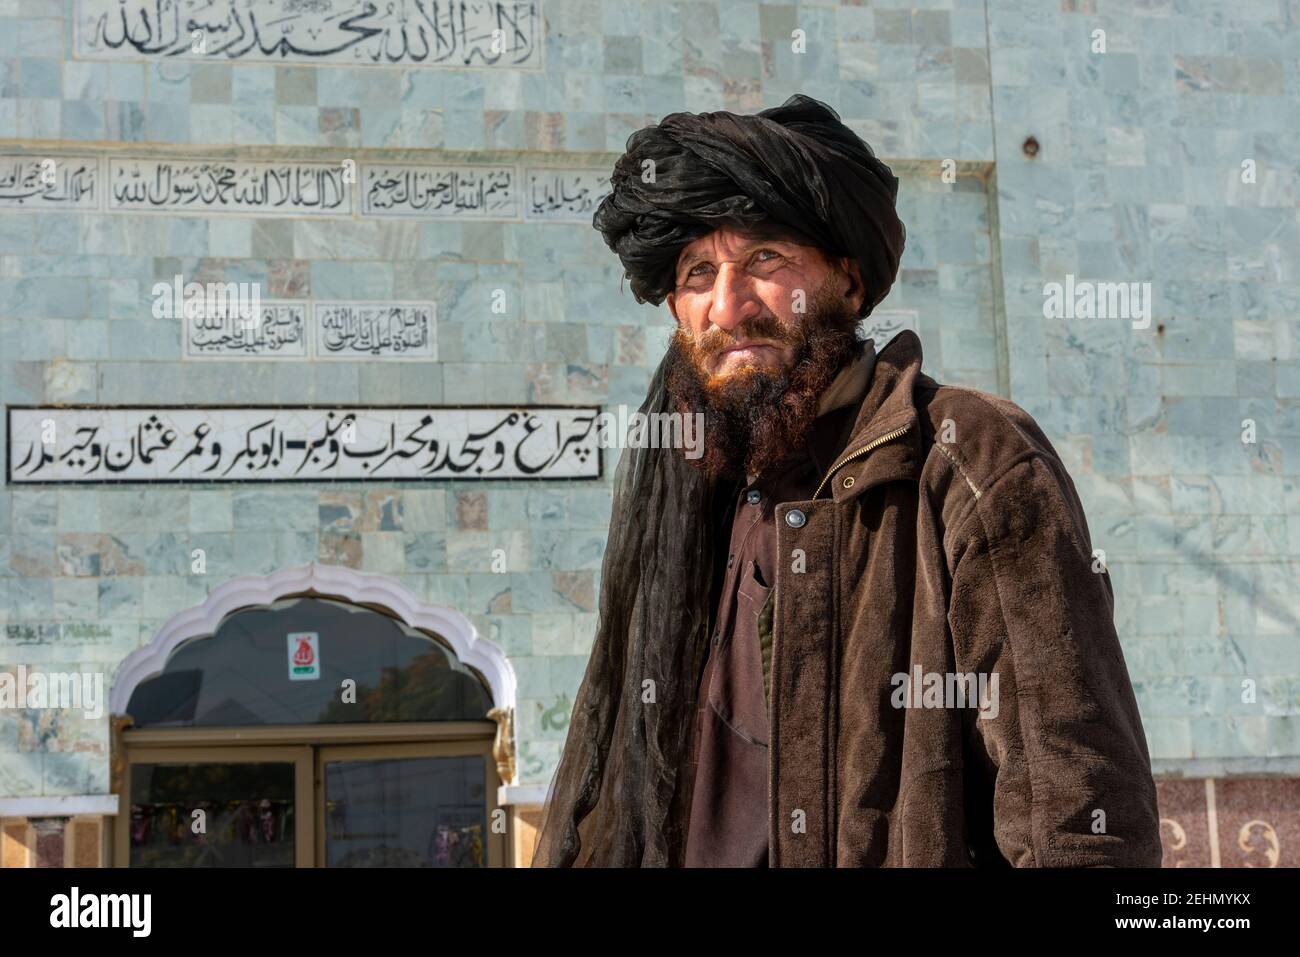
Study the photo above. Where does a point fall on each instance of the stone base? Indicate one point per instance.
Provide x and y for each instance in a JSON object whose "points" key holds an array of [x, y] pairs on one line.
{"points": [[1204, 822], [52, 841]]}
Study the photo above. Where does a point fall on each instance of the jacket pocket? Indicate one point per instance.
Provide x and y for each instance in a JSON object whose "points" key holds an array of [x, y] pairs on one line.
{"points": [[737, 688], [765, 646], [759, 600], [753, 593]]}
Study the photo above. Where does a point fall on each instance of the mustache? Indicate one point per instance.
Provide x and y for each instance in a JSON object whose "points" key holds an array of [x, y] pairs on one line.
{"points": [[761, 329]]}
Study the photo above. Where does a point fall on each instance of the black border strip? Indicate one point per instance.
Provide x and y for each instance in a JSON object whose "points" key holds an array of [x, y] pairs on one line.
{"points": [[333, 407]]}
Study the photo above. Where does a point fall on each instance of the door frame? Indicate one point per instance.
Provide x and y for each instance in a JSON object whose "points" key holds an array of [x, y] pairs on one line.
{"points": [[302, 743]]}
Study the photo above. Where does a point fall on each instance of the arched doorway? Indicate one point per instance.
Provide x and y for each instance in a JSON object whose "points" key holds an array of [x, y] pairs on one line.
{"points": [[318, 718]]}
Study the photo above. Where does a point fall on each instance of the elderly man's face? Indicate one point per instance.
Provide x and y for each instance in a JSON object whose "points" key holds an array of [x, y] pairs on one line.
{"points": [[741, 297]]}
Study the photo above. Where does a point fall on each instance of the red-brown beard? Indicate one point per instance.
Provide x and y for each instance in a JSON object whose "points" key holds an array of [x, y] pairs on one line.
{"points": [[759, 415]]}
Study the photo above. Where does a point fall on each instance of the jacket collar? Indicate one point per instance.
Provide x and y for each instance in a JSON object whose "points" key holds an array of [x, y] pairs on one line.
{"points": [[850, 384], [888, 406]]}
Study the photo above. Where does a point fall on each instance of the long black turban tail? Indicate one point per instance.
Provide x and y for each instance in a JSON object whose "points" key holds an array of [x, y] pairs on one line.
{"points": [[618, 797]]}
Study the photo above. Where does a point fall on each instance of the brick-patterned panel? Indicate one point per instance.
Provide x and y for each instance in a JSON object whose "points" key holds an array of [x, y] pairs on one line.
{"points": [[1237, 822]]}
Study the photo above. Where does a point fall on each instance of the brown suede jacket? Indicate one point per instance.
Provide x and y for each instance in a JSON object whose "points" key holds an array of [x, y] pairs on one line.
{"points": [[946, 553]]}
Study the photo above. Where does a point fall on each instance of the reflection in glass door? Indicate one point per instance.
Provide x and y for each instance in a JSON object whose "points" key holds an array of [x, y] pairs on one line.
{"points": [[222, 807], [212, 815], [400, 806]]}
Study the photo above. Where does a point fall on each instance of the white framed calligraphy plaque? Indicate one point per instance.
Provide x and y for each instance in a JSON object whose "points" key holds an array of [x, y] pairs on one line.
{"points": [[883, 324], [367, 330], [280, 332], [218, 186], [49, 183], [564, 195], [440, 192], [460, 34]]}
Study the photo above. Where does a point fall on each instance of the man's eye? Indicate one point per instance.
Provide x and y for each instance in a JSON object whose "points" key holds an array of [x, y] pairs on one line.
{"points": [[700, 270]]}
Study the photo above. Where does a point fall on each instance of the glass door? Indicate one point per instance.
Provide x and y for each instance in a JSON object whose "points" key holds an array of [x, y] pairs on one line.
{"points": [[381, 804], [217, 807], [406, 805]]}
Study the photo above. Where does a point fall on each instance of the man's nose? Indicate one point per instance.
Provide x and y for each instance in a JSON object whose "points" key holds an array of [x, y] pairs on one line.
{"points": [[734, 299]]}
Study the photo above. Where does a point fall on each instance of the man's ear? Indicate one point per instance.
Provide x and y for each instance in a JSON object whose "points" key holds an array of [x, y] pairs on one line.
{"points": [[671, 299], [856, 293]]}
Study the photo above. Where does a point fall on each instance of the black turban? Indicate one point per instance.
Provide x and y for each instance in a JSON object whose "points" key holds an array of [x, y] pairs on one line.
{"points": [[796, 165]]}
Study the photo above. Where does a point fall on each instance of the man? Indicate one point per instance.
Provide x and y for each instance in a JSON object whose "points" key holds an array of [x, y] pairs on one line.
{"points": [[867, 626]]}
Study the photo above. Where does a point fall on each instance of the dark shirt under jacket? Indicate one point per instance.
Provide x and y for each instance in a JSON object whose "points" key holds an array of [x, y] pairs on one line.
{"points": [[729, 812]]}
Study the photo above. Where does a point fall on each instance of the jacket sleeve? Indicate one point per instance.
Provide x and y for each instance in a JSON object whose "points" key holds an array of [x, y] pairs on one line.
{"points": [[1061, 740]]}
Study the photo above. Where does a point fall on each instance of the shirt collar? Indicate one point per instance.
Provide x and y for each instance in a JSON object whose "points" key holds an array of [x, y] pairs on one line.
{"points": [[850, 384]]}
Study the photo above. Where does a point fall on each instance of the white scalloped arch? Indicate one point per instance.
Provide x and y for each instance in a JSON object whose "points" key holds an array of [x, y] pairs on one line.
{"points": [[335, 581]]}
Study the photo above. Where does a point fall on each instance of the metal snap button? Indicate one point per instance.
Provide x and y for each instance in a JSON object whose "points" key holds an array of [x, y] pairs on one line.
{"points": [[795, 518], [848, 482], [754, 496]]}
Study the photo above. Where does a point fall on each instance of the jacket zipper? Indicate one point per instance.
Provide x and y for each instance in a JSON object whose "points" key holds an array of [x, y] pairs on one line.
{"points": [[887, 437]]}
